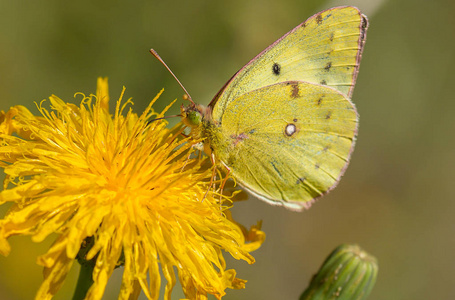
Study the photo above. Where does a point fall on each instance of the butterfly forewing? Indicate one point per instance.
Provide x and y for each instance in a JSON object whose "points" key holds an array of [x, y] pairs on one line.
{"points": [[288, 143], [326, 50]]}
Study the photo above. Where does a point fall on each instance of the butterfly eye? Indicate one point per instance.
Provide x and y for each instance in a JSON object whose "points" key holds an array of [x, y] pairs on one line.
{"points": [[193, 118]]}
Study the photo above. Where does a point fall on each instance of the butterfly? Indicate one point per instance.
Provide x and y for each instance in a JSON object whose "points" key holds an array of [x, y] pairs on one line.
{"points": [[284, 125]]}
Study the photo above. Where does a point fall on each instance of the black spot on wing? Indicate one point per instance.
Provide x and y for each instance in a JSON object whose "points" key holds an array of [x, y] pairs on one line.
{"points": [[276, 68], [363, 29], [319, 19], [276, 169], [300, 180], [364, 22], [323, 82], [328, 66]]}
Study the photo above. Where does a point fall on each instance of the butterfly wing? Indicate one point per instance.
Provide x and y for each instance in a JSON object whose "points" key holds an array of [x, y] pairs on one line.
{"points": [[288, 143], [326, 49]]}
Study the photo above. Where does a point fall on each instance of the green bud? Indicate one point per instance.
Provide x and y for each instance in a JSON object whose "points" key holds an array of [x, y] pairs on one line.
{"points": [[349, 273]]}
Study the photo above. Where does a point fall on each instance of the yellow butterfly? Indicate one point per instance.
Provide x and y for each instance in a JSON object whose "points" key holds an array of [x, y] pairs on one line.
{"points": [[284, 126]]}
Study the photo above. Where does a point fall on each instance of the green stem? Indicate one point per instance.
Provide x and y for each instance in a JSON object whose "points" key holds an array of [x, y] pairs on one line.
{"points": [[84, 282]]}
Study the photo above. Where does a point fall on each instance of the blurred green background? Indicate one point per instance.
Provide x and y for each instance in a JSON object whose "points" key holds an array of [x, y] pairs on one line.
{"points": [[396, 199]]}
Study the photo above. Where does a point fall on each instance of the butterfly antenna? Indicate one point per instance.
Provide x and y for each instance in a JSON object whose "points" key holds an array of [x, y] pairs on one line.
{"points": [[154, 53], [167, 117]]}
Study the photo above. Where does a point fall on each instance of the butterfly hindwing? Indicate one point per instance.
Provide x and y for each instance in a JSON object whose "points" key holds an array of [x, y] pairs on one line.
{"points": [[288, 143]]}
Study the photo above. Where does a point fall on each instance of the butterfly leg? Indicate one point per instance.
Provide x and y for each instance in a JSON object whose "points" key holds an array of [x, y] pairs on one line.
{"points": [[188, 157], [228, 171], [212, 158], [198, 146]]}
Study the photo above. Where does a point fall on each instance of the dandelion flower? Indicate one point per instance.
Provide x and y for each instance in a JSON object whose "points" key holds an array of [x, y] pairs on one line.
{"points": [[121, 190]]}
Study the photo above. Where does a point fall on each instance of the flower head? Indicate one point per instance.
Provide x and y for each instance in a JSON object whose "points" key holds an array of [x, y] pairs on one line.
{"points": [[124, 182]]}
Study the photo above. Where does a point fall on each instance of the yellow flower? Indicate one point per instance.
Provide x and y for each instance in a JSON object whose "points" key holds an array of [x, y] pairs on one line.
{"points": [[128, 185]]}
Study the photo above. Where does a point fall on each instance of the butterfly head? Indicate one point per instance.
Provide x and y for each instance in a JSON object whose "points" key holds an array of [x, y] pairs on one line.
{"points": [[194, 115]]}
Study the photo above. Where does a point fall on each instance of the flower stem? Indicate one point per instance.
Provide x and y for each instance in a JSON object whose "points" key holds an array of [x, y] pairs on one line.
{"points": [[84, 282]]}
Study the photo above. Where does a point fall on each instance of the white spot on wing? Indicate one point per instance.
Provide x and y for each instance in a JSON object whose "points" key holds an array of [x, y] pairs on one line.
{"points": [[290, 129]]}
